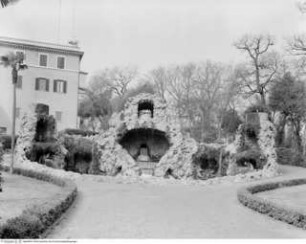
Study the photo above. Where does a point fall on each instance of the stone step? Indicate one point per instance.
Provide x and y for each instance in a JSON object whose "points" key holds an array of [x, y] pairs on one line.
{"points": [[147, 172], [147, 168]]}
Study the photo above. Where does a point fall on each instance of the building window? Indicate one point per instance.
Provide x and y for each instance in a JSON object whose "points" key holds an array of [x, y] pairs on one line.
{"points": [[3, 130], [42, 84], [17, 113], [61, 62], [60, 86], [43, 60], [19, 82], [58, 116]]}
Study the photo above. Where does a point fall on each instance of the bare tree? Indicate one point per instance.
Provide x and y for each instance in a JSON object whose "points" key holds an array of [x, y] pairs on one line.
{"points": [[256, 75], [159, 77], [208, 84], [297, 45], [5, 3], [120, 78]]}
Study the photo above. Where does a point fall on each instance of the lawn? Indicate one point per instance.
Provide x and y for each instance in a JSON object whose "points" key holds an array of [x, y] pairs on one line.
{"points": [[293, 197], [21, 192]]}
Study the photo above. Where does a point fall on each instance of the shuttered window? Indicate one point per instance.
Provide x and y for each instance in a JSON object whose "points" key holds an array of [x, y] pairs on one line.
{"points": [[42, 84], [19, 82], [58, 116], [60, 86], [43, 60], [61, 62], [17, 113]]}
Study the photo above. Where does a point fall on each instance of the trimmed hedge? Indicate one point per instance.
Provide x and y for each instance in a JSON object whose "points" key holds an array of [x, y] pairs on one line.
{"points": [[247, 198], [79, 132], [33, 222]]}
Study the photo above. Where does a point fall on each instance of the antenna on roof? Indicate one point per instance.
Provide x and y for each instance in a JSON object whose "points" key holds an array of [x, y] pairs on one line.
{"points": [[59, 21], [74, 41]]}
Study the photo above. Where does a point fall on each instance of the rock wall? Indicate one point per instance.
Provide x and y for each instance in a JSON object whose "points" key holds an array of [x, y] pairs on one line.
{"points": [[266, 142], [26, 135], [116, 160]]}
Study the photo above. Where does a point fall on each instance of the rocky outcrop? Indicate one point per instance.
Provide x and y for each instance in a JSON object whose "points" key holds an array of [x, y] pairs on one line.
{"points": [[115, 159], [266, 142]]}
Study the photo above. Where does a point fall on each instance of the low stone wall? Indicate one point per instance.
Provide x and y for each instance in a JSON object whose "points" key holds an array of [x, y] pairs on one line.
{"points": [[247, 196], [33, 222]]}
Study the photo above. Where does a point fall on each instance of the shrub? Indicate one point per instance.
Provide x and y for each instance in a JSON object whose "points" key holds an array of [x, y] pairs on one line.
{"points": [[206, 160], [246, 197], [24, 226], [6, 141], [252, 156], [79, 132], [81, 155], [39, 151], [231, 121], [257, 108], [289, 156]]}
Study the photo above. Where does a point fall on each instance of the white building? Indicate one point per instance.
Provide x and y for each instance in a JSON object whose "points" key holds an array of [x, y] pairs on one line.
{"points": [[52, 78]]}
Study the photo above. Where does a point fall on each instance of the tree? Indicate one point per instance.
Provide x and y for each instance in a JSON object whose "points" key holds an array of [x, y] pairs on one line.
{"points": [[256, 75], [15, 62], [209, 87], [159, 77], [231, 121], [120, 78], [5, 3], [143, 87], [288, 97]]}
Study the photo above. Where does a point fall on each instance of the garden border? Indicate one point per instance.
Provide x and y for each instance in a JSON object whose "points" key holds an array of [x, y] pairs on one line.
{"points": [[247, 197], [35, 221]]}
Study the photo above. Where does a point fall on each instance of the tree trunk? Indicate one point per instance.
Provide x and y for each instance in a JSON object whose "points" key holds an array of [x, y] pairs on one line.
{"points": [[280, 133], [262, 99], [298, 139]]}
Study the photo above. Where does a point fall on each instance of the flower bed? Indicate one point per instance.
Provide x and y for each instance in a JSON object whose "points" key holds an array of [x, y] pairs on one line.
{"points": [[248, 198], [34, 221]]}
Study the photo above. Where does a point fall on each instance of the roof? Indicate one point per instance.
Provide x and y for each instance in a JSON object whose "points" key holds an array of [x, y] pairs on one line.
{"points": [[40, 46]]}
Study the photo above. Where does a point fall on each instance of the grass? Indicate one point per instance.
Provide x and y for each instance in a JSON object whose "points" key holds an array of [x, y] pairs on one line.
{"points": [[38, 218], [247, 196]]}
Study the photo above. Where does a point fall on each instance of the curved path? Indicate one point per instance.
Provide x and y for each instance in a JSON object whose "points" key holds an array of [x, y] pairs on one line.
{"points": [[112, 210]]}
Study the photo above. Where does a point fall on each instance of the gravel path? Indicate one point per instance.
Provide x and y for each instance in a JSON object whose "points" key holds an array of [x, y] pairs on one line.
{"points": [[111, 210]]}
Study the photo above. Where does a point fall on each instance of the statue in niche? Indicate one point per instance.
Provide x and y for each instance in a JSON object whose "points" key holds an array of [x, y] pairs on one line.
{"points": [[143, 153]]}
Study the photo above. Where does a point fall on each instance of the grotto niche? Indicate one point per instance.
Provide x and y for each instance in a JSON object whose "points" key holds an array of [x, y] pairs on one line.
{"points": [[146, 138], [145, 145]]}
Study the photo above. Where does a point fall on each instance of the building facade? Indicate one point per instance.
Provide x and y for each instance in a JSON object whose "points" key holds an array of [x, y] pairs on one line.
{"points": [[52, 78]]}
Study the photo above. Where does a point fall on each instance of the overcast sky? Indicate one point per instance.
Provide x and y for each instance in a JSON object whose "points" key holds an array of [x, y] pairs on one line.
{"points": [[148, 33]]}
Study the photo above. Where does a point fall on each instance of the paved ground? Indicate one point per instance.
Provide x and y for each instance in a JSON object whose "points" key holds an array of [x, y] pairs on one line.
{"points": [[21, 192], [110, 210]]}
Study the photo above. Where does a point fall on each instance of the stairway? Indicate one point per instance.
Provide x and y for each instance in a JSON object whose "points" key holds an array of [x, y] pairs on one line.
{"points": [[147, 168]]}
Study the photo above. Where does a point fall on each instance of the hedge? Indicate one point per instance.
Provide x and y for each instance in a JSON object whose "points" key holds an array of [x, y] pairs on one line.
{"points": [[79, 132], [33, 222], [6, 141], [247, 198]]}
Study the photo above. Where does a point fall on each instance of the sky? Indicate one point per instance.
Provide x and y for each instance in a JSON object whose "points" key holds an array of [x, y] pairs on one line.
{"points": [[149, 33]]}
